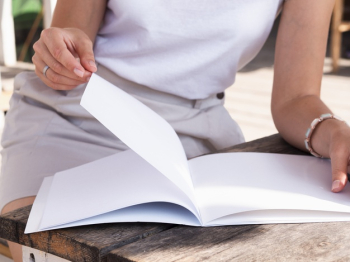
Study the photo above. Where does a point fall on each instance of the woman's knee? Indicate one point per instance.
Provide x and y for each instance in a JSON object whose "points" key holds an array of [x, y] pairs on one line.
{"points": [[18, 203]]}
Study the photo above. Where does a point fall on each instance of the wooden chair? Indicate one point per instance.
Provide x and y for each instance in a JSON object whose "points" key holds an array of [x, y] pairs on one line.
{"points": [[338, 27]]}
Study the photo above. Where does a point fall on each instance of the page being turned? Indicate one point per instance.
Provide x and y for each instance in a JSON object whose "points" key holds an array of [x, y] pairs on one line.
{"points": [[140, 128]]}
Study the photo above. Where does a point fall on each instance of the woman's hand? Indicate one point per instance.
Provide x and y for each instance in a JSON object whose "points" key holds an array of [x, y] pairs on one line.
{"points": [[69, 54], [339, 153]]}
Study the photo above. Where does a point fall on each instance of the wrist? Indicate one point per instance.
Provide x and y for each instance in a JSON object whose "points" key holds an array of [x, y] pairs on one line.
{"points": [[326, 132]]}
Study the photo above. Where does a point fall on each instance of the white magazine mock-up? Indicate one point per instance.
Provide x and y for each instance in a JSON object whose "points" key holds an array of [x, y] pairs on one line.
{"points": [[154, 182]]}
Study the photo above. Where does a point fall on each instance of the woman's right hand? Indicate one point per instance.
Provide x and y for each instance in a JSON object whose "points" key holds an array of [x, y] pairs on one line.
{"points": [[69, 54]]}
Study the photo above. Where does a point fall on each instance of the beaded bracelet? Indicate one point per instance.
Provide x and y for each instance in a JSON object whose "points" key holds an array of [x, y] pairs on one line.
{"points": [[311, 129]]}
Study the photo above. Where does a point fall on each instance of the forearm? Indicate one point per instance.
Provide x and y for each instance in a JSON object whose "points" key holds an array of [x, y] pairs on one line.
{"points": [[300, 50], [86, 15], [294, 118]]}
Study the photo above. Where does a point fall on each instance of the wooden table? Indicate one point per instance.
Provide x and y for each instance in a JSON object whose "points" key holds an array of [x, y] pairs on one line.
{"points": [[166, 242]]}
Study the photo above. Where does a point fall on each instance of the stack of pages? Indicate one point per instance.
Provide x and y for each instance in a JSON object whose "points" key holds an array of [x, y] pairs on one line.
{"points": [[154, 182]]}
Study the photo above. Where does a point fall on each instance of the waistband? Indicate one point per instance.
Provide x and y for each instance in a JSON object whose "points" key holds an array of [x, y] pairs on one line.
{"points": [[149, 93]]}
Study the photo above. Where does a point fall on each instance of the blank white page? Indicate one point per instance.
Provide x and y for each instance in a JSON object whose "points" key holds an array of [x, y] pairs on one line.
{"points": [[37, 211], [280, 216], [108, 184], [231, 183], [156, 212], [140, 128]]}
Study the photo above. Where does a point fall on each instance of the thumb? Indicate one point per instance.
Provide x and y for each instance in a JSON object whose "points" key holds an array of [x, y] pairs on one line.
{"points": [[84, 49], [339, 172]]}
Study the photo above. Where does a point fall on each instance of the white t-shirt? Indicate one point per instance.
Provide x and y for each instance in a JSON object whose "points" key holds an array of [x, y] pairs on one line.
{"points": [[190, 48]]}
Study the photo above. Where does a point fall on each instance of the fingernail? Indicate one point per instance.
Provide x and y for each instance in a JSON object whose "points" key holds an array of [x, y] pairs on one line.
{"points": [[78, 72], [336, 186], [92, 63], [88, 79]]}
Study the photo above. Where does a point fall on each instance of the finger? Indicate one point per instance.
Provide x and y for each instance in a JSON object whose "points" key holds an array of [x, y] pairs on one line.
{"points": [[42, 54], [54, 77], [84, 50], [51, 84], [55, 43], [60, 79], [339, 170]]}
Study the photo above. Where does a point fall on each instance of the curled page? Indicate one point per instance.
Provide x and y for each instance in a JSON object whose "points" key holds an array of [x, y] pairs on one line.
{"points": [[140, 128]]}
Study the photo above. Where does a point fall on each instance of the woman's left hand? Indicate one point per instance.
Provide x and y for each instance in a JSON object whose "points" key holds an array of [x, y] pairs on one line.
{"points": [[339, 153]]}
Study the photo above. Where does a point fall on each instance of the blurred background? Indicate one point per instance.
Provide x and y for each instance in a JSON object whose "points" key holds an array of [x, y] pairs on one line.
{"points": [[248, 100]]}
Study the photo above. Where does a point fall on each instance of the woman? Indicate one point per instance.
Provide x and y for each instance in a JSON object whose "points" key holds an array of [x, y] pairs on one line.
{"points": [[177, 57]]}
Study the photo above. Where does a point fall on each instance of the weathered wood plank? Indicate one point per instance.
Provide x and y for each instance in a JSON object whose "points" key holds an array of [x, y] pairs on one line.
{"points": [[87, 243], [3, 242], [4, 249], [269, 144], [32, 255], [280, 242]]}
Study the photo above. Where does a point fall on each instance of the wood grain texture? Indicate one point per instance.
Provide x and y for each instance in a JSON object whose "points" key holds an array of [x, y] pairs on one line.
{"points": [[87, 243], [269, 144], [3, 242], [33, 255], [4, 249], [279, 242]]}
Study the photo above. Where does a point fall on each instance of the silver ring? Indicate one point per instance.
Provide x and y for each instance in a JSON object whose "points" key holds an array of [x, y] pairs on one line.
{"points": [[45, 69]]}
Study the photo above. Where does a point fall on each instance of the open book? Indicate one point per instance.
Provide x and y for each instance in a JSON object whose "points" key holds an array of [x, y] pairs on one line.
{"points": [[154, 182]]}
